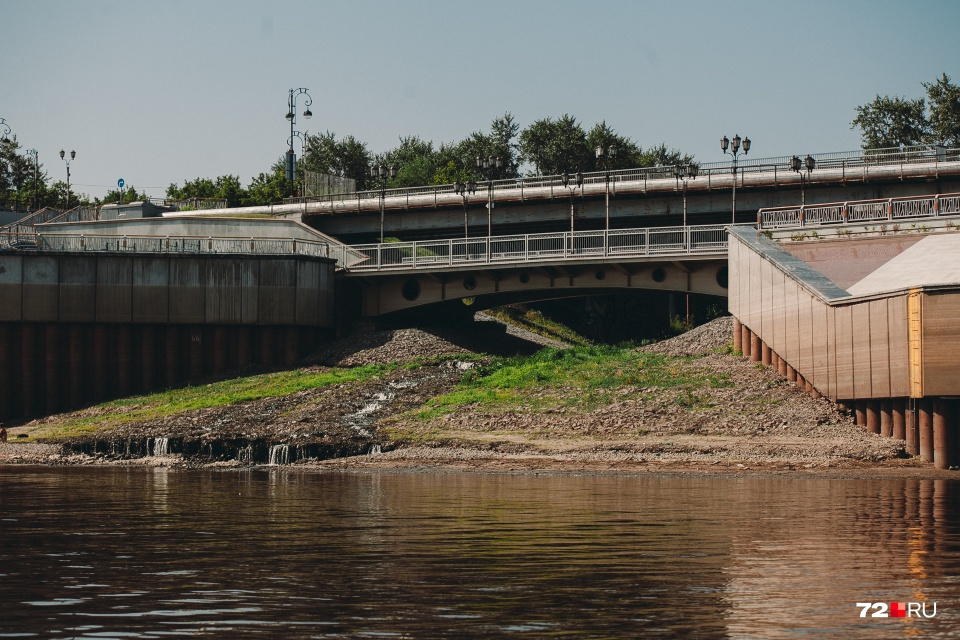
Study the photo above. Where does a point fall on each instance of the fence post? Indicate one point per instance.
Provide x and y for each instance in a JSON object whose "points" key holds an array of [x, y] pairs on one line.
{"points": [[936, 205], [844, 213], [890, 200]]}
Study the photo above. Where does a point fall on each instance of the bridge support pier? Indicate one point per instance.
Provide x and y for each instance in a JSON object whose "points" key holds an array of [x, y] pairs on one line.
{"points": [[860, 413], [886, 419], [745, 341], [766, 355], [912, 429], [791, 374], [737, 336], [756, 348], [945, 434], [899, 419], [873, 416], [925, 421]]}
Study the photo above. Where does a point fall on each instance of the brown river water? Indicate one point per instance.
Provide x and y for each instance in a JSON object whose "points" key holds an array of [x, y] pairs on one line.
{"points": [[280, 553]]}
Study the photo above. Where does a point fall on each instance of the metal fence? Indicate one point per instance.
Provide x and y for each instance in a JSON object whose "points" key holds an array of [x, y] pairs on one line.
{"points": [[845, 165], [890, 209], [193, 245], [531, 248]]}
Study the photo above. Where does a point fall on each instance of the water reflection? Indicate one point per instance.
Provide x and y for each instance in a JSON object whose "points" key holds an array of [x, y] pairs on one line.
{"points": [[280, 553]]}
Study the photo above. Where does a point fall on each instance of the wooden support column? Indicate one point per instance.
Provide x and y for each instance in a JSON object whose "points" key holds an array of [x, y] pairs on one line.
{"points": [[886, 419], [766, 355], [898, 408], [860, 413], [745, 334], [873, 416], [791, 374], [925, 420], [755, 348], [910, 419], [737, 336], [944, 434]]}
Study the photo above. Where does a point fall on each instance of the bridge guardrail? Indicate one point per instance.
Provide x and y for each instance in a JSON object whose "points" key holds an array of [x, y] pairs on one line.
{"points": [[539, 247], [880, 210], [842, 162]]}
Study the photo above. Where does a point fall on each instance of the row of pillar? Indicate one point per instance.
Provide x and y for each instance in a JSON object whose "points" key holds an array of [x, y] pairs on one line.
{"points": [[930, 427], [51, 367]]}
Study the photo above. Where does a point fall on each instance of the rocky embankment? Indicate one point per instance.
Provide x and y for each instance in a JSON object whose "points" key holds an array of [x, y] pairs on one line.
{"points": [[754, 420]]}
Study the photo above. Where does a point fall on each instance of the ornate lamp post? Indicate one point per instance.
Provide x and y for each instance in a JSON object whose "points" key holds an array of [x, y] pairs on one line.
{"points": [[734, 152], [291, 159], [684, 173], [5, 128], [73, 154], [487, 166], [463, 188], [381, 173], [578, 182], [809, 164], [604, 155], [35, 155]]}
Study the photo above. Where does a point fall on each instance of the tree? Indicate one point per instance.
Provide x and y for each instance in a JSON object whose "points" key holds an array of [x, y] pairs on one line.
{"points": [[555, 146], [268, 188], [129, 194], [348, 157], [943, 97], [660, 156], [628, 155], [891, 122]]}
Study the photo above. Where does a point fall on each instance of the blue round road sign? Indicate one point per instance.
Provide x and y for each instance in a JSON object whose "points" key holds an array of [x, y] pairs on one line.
{"points": [[120, 183]]}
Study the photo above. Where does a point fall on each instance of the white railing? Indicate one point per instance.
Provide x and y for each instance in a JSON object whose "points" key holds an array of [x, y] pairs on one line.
{"points": [[845, 165], [193, 245], [889, 209], [539, 247]]}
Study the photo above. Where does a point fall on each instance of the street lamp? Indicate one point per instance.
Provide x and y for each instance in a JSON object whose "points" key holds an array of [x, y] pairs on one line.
{"points": [[291, 159], [463, 188], [604, 155], [5, 128], [73, 154], [487, 166], [685, 172], [578, 182], [33, 201], [809, 164], [381, 173], [734, 146]]}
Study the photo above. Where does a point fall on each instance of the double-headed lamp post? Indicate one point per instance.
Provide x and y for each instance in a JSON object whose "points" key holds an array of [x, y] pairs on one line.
{"points": [[487, 166], [685, 172], [462, 189], [381, 173], [734, 152], [291, 159], [5, 128], [604, 156], [797, 165], [73, 154]]}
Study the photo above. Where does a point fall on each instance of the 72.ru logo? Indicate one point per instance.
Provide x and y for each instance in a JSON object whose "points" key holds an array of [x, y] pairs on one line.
{"points": [[896, 610]]}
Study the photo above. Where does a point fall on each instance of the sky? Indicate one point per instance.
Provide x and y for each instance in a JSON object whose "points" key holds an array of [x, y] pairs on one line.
{"points": [[163, 92]]}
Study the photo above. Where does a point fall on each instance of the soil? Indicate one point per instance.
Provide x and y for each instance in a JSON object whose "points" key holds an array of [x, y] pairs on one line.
{"points": [[760, 423]]}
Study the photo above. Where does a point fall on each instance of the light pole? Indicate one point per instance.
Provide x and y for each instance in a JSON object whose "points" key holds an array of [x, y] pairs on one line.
{"points": [[463, 188], [33, 201], [578, 177], [381, 173], [685, 172], [5, 128], [809, 164], [734, 146], [604, 155], [487, 166], [73, 154], [291, 159]]}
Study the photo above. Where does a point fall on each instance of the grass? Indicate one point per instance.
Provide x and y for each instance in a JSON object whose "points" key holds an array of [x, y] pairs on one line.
{"points": [[217, 394], [583, 377]]}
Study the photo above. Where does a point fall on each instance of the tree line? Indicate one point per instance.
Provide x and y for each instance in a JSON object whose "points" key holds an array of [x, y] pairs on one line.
{"points": [[548, 146]]}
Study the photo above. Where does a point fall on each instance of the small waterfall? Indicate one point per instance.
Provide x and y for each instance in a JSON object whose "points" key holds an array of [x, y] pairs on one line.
{"points": [[374, 450], [161, 446], [279, 454], [245, 455]]}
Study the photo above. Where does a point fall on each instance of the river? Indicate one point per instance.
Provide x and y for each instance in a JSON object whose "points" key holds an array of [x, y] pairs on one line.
{"points": [[130, 552]]}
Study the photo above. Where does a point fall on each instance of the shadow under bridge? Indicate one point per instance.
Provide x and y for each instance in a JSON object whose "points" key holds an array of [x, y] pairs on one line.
{"points": [[524, 268]]}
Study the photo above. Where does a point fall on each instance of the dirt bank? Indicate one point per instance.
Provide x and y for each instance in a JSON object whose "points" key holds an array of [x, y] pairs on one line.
{"points": [[753, 420]]}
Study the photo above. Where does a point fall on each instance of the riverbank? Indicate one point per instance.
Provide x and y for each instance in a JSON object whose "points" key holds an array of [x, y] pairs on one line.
{"points": [[412, 399]]}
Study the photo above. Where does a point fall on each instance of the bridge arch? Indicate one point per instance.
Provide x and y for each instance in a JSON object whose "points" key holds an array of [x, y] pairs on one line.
{"points": [[388, 293]]}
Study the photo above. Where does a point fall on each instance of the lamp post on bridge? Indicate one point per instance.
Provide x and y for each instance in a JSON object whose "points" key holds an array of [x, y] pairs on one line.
{"points": [[73, 154], [734, 146], [35, 155], [463, 188], [684, 173], [291, 158], [486, 167], [566, 177], [809, 164], [381, 173], [5, 128], [604, 155]]}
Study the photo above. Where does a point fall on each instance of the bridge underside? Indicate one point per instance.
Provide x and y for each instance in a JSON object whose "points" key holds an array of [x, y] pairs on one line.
{"points": [[384, 294]]}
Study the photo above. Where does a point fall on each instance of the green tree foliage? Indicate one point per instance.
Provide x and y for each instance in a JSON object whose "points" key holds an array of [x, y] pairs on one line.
{"points": [[128, 195], [347, 157], [943, 98], [226, 187], [267, 188], [891, 122], [556, 146]]}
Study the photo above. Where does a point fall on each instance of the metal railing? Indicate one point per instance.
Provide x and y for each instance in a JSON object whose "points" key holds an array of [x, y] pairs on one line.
{"points": [[193, 245], [848, 165], [883, 210], [531, 248]]}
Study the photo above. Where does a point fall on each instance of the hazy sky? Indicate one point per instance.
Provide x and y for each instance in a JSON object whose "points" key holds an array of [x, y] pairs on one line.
{"points": [[164, 91]]}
